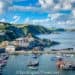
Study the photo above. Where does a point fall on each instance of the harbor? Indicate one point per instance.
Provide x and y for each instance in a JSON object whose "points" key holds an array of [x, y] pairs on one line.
{"points": [[38, 62], [46, 66], [22, 61], [37, 37]]}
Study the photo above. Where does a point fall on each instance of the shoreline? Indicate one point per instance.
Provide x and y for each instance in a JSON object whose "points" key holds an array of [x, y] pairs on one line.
{"points": [[41, 52]]}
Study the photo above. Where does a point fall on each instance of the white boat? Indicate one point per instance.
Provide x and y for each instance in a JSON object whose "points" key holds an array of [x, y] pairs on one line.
{"points": [[33, 68], [33, 63]]}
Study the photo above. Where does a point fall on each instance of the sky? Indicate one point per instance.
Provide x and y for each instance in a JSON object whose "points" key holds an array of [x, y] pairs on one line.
{"points": [[38, 12]]}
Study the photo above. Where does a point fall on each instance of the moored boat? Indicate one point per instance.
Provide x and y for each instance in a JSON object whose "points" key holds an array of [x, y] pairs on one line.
{"points": [[33, 63], [69, 67]]}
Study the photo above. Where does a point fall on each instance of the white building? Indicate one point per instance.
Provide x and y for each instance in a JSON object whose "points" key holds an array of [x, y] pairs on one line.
{"points": [[23, 42], [10, 49]]}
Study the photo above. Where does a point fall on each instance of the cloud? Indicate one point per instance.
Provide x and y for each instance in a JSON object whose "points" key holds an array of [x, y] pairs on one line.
{"points": [[2, 20], [19, 0], [1, 7], [28, 8], [15, 19], [73, 12], [44, 6], [53, 20], [72, 1], [66, 5], [4, 4], [9, 1], [57, 7], [48, 6], [27, 21], [68, 22], [22, 8], [46, 3], [56, 4], [37, 21], [54, 16]]}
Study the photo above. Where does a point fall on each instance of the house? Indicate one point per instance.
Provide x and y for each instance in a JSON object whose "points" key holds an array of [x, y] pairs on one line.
{"points": [[10, 49], [23, 41]]}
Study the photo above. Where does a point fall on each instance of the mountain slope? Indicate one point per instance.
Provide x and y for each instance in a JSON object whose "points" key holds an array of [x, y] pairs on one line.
{"points": [[11, 31], [35, 29]]}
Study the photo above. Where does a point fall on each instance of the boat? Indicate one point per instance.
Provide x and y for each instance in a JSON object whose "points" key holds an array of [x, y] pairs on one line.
{"points": [[65, 65], [55, 58], [4, 56], [0, 71], [69, 67], [2, 63], [35, 56], [33, 68], [34, 63]]}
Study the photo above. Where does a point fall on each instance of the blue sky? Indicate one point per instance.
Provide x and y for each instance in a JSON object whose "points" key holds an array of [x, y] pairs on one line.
{"points": [[49, 12]]}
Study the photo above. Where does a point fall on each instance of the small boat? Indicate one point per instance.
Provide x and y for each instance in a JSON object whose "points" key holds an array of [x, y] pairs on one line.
{"points": [[68, 55], [65, 66], [2, 63], [0, 71], [33, 68], [54, 58], [35, 56], [4, 56], [35, 63], [69, 67]]}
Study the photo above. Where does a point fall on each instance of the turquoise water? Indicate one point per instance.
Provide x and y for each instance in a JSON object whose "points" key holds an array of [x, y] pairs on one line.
{"points": [[17, 65]]}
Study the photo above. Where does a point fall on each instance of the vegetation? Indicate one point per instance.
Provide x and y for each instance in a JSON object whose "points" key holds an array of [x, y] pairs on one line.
{"points": [[13, 31]]}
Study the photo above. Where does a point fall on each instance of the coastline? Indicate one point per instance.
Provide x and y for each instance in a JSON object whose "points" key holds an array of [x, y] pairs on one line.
{"points": [[41, 52]]}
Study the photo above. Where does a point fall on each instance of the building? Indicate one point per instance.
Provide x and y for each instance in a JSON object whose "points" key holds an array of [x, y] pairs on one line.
{"points": [[23, 41], [10, 49], [4, 44]]}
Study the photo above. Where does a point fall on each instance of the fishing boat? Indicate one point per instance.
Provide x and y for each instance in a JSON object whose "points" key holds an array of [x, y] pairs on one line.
{"points": [[33, 65], [2, 63], [65, 65], [69, 67], [4, 56]]}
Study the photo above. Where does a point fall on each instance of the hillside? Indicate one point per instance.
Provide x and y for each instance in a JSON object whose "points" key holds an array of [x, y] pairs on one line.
{"points": [[12, 31], [9, 32], [35, 29]]}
